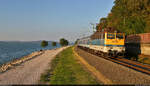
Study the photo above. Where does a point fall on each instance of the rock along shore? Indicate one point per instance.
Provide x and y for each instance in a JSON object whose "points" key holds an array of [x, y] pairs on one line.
{"points": [[18, 61], [29, 72]]}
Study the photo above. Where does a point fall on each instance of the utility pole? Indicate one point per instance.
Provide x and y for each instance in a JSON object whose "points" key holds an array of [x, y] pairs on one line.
{"points": [[93, 26]]}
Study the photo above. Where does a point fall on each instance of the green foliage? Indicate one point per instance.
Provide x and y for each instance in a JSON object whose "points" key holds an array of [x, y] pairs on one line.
{"points": [[76, 41], [45, 76], [67, 70], [102, 24], [63, 42], [129, 16], [54, 43], [44, 43]]}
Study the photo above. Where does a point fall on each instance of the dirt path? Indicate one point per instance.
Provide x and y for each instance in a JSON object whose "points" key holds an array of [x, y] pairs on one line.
{"points": [[30, 71]]}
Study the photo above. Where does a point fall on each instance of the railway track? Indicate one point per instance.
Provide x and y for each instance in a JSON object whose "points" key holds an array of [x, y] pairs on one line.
{"points": [[125, 62]]}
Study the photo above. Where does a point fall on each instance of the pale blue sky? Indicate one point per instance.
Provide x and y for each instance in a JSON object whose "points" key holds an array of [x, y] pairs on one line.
{"points": [[31, 20]]}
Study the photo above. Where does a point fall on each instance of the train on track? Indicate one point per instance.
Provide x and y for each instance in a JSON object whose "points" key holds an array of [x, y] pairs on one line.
{"points": [[107, 42], [138, 44]]}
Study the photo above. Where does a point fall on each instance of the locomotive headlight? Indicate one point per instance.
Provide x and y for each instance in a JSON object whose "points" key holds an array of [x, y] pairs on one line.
{"points": [[111, 47], [122, 49]]}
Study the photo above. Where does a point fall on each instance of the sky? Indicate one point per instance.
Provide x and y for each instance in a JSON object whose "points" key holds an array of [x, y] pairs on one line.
{"points": [[33, 20]]}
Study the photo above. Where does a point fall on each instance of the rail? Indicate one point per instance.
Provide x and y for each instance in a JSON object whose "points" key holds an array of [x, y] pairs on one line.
{"points": [[122, 61]]}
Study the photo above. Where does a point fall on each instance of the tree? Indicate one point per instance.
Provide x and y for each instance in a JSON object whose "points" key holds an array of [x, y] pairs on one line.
{"points": [[54, 43], [63, 42], [76, 41], [129, 16], [44, 43]]}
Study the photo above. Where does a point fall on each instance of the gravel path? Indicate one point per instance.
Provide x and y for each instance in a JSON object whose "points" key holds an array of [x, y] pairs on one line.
{"points": [[118, 74], [30, 71]]}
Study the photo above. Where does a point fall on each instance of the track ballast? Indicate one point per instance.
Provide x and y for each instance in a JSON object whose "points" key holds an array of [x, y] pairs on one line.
{"points": [[122, 61]]}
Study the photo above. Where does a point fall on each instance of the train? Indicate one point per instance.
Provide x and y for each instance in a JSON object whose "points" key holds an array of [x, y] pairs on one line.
{"points": [[106, 42], [138, 44]]}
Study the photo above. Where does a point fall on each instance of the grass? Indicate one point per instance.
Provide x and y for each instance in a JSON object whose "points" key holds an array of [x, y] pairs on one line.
{"points": [[66, 69], [144, 59]]}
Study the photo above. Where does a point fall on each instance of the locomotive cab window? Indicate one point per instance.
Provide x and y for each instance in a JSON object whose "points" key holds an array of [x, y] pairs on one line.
{"points": [[119, 36], [110, 36]]}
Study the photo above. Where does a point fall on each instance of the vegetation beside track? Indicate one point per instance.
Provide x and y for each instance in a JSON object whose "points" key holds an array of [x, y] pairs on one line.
{"points": [[144, 59], [66, 69]]}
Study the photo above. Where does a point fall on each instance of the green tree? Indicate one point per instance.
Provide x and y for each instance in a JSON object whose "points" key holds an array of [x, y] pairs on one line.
{"points": [[129, 16], [103, 22], [63, 42], [54, 43], [44, 43], [76, 41]]}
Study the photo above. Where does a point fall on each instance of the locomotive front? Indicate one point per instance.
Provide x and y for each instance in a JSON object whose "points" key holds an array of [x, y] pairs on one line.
{"points": [[114, 43]]}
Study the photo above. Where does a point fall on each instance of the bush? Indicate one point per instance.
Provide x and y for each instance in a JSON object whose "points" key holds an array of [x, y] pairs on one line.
{"points": [[54, 43], [63, 42], [44, 43], [76, 41]]}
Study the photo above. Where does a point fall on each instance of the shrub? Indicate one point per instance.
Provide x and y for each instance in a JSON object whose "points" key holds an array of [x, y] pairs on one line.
{"points": [[44, 43], [54, 43], [63, 42]]}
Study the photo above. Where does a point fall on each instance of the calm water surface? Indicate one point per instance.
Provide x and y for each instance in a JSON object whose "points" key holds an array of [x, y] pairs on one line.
{"points": [[13, 50]]}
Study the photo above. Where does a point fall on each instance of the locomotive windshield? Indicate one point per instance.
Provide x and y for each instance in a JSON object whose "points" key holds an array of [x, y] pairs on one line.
{"points": [[110, 36], [119, 36], [115, 36]]}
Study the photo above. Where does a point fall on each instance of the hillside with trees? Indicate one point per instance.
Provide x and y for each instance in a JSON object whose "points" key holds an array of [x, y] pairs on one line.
{"points": [[129, 16]]}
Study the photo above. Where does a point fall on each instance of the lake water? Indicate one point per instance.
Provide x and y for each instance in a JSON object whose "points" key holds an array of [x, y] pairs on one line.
{"points": [[13, 50]]}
